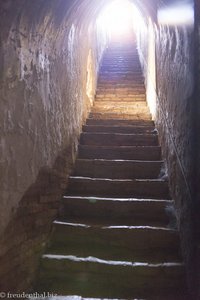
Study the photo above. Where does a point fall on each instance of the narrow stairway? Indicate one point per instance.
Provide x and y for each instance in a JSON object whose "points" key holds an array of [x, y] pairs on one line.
{"points": [[112, 238]]}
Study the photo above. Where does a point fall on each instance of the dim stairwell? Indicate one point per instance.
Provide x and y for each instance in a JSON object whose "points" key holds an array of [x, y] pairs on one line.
{"points": [[113, 238]]}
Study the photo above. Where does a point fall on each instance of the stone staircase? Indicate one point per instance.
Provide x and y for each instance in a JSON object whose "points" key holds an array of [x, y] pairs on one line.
{"points": [[112, 239]]}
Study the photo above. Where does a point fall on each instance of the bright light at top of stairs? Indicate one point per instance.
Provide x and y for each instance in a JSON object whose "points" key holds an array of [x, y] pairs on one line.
{"points": [[119, 17]]}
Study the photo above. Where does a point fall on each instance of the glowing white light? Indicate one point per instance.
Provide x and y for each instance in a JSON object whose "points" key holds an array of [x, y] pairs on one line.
{"points": [[177, 15], [118, 17]]}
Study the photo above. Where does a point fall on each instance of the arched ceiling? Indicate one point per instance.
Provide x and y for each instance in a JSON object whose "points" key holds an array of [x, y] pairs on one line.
{"points": [[58, 11]]}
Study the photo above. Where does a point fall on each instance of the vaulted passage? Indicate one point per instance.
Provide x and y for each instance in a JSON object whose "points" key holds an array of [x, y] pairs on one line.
{"points": [[100, 148], [114, 236]]}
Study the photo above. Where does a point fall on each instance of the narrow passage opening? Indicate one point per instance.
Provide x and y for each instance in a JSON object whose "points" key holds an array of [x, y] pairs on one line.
{"points": [[119, 20]]}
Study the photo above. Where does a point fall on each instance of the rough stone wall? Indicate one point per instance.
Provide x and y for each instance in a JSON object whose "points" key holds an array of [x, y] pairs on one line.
{"points": [[175, 121], [44, 52], [197, 106]]}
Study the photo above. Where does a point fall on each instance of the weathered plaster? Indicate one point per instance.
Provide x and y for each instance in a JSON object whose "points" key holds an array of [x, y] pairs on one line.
{"points": [[44, 102]]}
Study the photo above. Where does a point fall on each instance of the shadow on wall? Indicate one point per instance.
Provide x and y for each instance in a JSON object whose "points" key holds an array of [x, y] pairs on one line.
{"points": [[26, 235], [175, 114]]}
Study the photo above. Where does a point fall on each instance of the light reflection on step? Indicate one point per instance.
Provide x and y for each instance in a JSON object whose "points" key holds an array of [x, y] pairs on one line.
{"points": [[111, 262]]}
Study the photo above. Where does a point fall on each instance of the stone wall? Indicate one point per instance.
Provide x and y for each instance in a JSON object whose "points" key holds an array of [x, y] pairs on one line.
{"points": [[197, 105], [45, 76], [175, 121]]}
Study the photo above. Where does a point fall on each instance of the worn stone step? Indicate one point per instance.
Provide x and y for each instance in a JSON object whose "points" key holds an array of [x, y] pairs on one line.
{"points": [[123, 96], [128, 74], [126, 243], [144, 111], [117, 98], [119, 122], [120, 66], [119, 211], [115, 82], [117, 62], [121, 89], [120, 85], [122, 104], [120, 69], [120, 129], [94, 277], [117, 169], [120, 152], [114, 90], [139, 188], [115, 73], [118, 139], [109, 92], [119, 78], [139, 116], [113, 76]]}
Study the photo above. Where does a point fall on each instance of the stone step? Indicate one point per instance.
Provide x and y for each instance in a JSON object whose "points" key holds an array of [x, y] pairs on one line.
{"points": [[134, 73], [121, 86], [120, 79], [117, 60], [115, 74], [119, 69], [115, 90], [122, 95], [139, 188], [123, 82], [121, 104], [114, 95], [122, 65], [120, 152], [120, 129], [119, 122], [119, 211], [109, 76], [120, 98], [132, 91], [94, 277], [118, 139], [130, 110], [125, 243], [139, 116], [117, 169]]}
